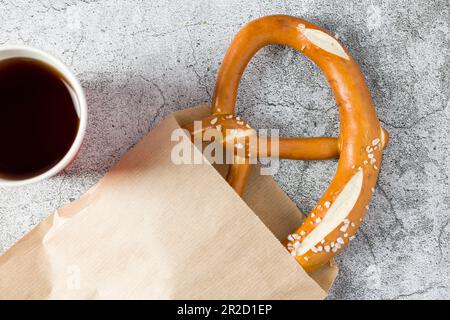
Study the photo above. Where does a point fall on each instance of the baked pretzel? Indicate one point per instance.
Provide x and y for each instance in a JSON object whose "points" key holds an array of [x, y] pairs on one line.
{"points": [[334, 220]]}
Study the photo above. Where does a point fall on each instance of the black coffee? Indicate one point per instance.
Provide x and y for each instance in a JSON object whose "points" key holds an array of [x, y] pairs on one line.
{"points": [[38, 119]]}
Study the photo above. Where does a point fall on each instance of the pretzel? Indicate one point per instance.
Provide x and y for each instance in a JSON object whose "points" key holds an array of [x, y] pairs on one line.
{"points": [[335, 219]]}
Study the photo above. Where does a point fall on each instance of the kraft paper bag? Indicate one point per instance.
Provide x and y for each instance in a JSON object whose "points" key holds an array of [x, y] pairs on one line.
{"points": [[151, 229]]}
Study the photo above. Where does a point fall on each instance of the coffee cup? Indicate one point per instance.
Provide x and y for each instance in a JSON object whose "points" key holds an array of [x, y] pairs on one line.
{"points": [[35, 130]]}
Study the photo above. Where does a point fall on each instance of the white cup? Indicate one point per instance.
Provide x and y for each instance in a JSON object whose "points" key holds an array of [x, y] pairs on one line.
{"points": [[7, 52]]}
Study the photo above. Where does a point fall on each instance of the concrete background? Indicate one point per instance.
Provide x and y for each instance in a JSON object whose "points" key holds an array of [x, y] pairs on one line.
{"points": [[140, 60]]}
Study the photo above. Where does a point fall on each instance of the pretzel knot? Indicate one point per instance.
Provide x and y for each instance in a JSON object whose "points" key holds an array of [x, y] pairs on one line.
{"points": [[335, 219]]}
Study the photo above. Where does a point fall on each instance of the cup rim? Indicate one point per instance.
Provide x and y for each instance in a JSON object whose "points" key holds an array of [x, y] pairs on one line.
{"points": [[61, 67]]}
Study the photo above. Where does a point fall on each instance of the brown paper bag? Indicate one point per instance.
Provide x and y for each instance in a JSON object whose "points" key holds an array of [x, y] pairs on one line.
{"points": [[151, 229]]}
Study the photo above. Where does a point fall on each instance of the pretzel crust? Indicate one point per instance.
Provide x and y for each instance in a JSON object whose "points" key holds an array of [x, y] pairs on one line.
{"points": [[335, 219]]}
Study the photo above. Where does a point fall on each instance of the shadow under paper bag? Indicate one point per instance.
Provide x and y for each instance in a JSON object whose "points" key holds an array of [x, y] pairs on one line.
{"points": [[151, 229]]}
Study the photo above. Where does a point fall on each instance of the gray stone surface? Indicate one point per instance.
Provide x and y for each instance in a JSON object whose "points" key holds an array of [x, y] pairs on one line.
{"points": [[141, 60]]}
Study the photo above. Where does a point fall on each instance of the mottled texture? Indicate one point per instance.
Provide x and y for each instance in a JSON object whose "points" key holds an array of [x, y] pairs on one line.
{"points": [[140, 60]]}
